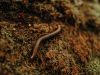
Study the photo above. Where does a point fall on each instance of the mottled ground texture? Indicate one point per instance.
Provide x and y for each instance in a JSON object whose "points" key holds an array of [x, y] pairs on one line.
{"points": [[73, 51]]}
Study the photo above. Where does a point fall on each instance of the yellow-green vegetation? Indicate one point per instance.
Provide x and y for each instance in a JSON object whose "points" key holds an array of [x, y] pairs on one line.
{"points": [[94, 66]]}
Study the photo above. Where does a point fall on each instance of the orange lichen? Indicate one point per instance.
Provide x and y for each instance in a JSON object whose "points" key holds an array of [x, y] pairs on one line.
{"points": [[32, 29], [81, 44], [43, 64], [50, 29], [33, 66], [51, 54], [20, 54], [75, 70], [61, 61], [66, 70], [11, 58], [23, 68]]}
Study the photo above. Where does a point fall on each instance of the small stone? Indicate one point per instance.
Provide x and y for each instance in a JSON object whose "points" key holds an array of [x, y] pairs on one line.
{"points": [[29, 25], [14, 29]]}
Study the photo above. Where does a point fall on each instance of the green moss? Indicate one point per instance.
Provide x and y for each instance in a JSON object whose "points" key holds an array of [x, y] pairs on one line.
{"points": [[18, 68], [94, 66]]}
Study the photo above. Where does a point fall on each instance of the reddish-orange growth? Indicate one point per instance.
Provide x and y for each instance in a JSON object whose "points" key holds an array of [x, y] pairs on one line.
{"points": [[51, 54], [61, 61], [33, 66], [23, 68]]}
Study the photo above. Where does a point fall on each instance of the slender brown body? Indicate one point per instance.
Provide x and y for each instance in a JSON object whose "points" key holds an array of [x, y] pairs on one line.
{"points": [[43, 38]]}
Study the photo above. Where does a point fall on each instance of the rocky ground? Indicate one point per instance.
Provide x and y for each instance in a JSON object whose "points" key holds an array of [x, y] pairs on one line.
{"points": [[73, 51]]}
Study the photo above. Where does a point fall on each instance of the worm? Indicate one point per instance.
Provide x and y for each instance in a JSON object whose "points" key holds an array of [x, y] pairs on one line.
{"points": [[41, 39]]}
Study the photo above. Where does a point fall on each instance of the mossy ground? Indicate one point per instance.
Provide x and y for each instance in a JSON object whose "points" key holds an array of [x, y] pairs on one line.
{"points": [[74, 51]]}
